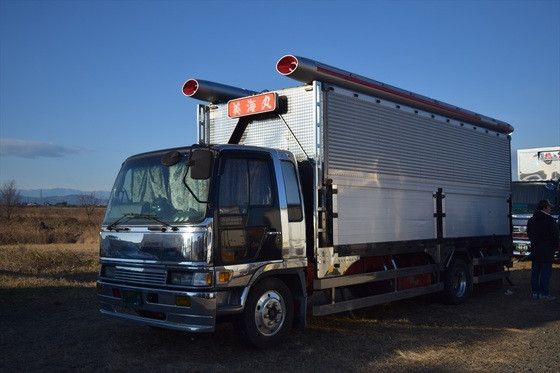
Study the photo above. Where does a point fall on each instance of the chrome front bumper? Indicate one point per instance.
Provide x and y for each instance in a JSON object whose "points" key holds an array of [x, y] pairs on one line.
{"points": [[159, 308]]}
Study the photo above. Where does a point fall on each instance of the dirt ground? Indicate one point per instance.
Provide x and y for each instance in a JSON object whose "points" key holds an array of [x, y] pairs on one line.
{"points": [[49, 322]]}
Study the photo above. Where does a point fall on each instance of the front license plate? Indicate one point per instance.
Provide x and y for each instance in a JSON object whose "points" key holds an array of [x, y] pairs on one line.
{"points": [[131, 298], [522, 249]]}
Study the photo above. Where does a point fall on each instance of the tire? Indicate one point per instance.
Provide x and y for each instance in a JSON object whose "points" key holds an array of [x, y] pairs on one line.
{"points": [[269, 313], [457, 281]]}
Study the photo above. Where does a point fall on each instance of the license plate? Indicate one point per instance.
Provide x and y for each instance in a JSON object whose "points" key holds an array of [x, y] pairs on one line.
{"points": [[131, 298]]}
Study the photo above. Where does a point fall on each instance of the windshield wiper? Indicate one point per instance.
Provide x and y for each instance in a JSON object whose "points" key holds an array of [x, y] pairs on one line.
{"points": [[130, 216], [118, 221]]}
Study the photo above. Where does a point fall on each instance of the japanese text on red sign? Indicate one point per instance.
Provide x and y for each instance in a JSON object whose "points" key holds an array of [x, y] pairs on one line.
{"points": [[257, 104]]}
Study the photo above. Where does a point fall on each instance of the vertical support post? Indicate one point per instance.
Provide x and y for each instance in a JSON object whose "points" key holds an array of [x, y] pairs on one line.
{"points": [[439, 213], [319, 195], [203, 121]]}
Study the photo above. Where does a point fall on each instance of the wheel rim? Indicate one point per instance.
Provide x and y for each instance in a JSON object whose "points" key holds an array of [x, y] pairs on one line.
{"points": [[269, 313], [460, 283]]}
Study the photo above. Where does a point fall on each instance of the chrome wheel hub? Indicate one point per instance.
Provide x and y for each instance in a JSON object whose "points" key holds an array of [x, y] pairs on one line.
{"points": [[269, 313]]}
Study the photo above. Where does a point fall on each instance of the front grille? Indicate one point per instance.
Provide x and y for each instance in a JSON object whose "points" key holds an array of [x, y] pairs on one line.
{"points": [[140, 275]]}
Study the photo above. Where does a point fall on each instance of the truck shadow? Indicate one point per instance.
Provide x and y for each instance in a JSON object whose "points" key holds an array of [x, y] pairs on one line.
{"points": [[57, 328]]}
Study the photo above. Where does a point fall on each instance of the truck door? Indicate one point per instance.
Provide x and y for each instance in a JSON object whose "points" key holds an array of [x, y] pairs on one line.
{"points": [[248, 212]]}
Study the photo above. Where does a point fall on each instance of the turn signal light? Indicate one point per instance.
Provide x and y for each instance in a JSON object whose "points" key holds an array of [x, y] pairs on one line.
{"points": [[224, 277]]}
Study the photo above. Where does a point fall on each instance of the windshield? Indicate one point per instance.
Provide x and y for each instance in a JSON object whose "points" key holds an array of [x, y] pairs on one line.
{"points": [[526, 195], [149, 189]]}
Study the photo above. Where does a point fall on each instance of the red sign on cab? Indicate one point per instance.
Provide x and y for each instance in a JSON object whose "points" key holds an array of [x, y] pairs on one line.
{"points": [[263, 103]]}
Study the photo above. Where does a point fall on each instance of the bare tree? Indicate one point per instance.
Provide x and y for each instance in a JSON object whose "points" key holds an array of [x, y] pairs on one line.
{"points": [[88, 201], [9, 198]]}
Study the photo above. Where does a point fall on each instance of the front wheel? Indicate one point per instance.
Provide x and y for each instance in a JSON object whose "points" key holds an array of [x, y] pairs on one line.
{"points": [[457, 281], [269, 313]]}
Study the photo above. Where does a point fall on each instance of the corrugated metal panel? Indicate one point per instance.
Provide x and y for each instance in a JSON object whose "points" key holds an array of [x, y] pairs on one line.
{"points": [[362, 136]]}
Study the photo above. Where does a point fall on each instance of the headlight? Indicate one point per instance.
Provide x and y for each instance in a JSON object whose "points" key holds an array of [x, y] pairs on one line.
{"points": [[108, 271], [190, 278]]}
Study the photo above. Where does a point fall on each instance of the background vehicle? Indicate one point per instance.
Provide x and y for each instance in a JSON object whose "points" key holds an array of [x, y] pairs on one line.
{"points": [[538, 164], [539, 175], [525, 197], [342, 193]]}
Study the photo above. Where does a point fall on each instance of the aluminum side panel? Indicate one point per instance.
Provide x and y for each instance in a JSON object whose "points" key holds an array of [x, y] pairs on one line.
{"points": [[363, 136], [386, 210], [476, 215], [387, 161], [373, 214]]}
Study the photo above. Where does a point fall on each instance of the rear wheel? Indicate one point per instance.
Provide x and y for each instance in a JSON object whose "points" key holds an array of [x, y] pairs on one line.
{"points": [[269, 313], [457, 281]]}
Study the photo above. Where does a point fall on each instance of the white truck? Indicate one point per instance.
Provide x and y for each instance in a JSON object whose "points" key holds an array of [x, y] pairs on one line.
{"points": [[538, 164], [333, 195]]}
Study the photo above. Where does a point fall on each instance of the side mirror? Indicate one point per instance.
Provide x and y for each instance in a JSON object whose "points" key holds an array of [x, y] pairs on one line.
{"points": [[201, 164]]}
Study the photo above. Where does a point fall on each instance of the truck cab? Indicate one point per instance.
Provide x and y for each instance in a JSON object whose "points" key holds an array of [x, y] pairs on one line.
{"points": [[189, 232]]}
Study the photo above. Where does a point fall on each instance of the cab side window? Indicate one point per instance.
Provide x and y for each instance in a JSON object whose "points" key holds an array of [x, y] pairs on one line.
{"points": [[295, 211], [245, 182], [245, 190], [259, 183], [234, 189]]}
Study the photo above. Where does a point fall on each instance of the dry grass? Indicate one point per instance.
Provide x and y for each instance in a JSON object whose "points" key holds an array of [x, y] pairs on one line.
{"points": [[50, 323], [24, 265], [51, 225]]}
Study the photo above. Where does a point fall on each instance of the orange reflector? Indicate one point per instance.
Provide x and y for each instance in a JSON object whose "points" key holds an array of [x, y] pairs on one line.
{"points": [[208, 279], [224, 277], [182, 301]]}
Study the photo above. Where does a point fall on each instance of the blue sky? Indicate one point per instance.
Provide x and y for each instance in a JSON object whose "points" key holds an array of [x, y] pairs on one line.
{"points": [[84, 84]]}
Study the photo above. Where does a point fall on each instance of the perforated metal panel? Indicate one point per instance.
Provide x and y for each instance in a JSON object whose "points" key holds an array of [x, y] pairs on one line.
{"points": [[276, 132]]}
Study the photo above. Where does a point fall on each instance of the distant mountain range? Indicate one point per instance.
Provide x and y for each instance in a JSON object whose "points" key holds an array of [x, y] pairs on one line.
{"points": [[59, 196]]}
